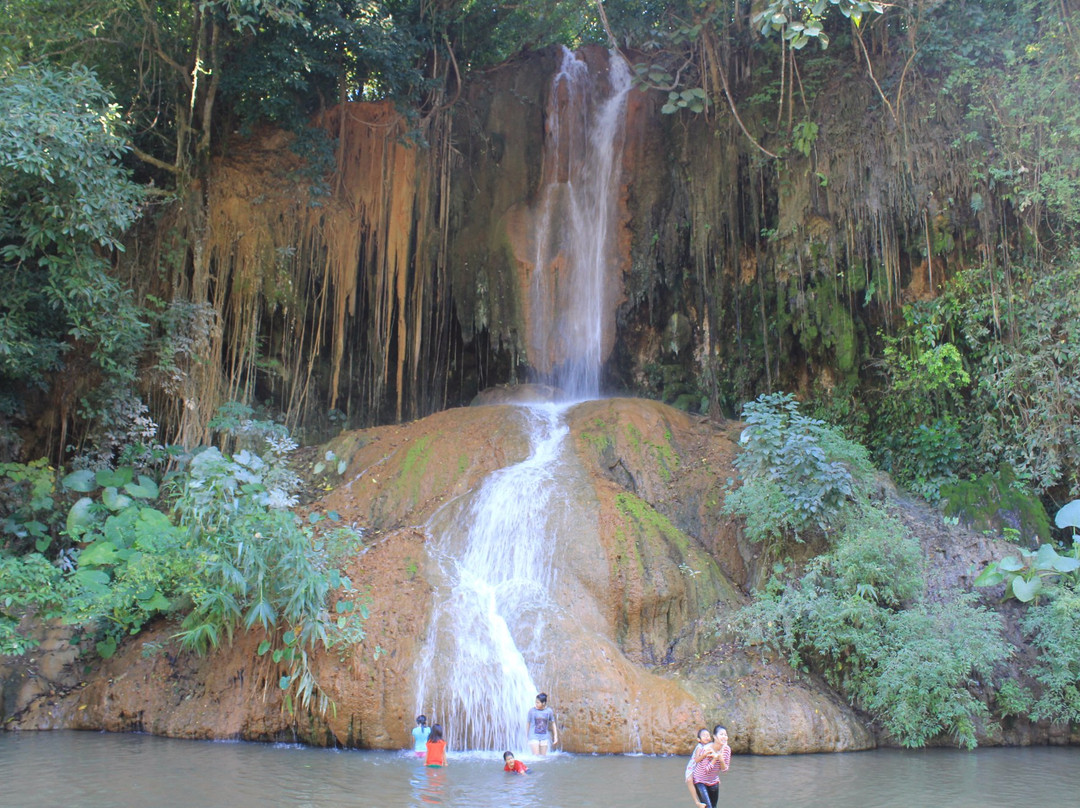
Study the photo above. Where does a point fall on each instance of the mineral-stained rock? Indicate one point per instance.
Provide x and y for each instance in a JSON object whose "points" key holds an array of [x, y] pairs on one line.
{"points": [[637, 652]]}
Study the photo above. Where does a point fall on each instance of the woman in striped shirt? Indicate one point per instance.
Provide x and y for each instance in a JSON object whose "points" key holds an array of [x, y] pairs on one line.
{"points": [[714, 759]]}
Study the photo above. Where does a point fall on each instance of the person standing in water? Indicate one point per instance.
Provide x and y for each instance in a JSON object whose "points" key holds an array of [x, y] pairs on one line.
{"points": [[420, 735], [715, 759], [543, 733], [436, 748]]}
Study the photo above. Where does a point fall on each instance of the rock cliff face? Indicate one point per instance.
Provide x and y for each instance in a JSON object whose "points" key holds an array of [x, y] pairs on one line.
{"points": [[637, 650]]}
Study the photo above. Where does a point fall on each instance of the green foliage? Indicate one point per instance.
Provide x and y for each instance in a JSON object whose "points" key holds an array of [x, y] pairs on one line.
{"points": [[488, 32], [1048, 582], [1035, 574], [854, 615], [29, 583], [1006, 388], [61, 140], [1013, 699], [803, 136], [932, 653], [257, 565], [216, 543], [1017, 71], [1054, 627], [27, 505], [1028, 577], [920, 438], [63, 197], [1028, 407], [278, 69], [1068, 516], [799, 21], [791, 481], [134, 560]]}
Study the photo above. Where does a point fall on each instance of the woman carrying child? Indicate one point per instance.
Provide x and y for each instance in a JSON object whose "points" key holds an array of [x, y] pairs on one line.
{"points": [[714, 759]]}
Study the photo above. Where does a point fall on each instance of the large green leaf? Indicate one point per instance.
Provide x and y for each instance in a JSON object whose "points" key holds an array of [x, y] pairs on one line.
{"points": [[81, 517], [1045, 558], [114, 500], [1010, 564], [152, 527], [1066, 564], [989, 576], [1026, 590], [1069, 515], [81, 481], [93, 581], [146, 488], [115, 479], [99, 553]]}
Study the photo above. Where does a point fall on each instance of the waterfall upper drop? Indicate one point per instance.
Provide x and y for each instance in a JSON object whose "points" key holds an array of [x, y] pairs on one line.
{"points": [[574, 287]]}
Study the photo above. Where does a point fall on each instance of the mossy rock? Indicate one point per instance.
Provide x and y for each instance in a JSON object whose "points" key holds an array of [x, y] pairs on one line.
{"points": [[997, 502]]}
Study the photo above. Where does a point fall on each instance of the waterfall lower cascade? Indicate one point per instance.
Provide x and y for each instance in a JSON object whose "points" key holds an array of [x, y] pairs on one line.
{"points": [[486, 634], [484, 655]]}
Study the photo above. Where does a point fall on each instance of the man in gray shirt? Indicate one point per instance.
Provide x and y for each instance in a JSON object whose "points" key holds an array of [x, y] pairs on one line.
{"points": [[543, 733]]}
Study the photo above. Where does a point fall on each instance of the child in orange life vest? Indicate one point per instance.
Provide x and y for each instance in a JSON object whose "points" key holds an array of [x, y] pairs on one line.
{"points": [[436, 747], [511, 765]]}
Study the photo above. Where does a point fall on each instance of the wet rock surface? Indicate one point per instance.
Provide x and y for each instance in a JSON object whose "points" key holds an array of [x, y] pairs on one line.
{"points": [[639, 649]]}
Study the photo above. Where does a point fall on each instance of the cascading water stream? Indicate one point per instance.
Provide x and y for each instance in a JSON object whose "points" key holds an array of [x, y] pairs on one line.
{"points": [[575, 236], [495, 547], [494, 550]]}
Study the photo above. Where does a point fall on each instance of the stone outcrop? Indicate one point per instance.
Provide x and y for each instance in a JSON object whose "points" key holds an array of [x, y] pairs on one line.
{"points": [[639, 653]]}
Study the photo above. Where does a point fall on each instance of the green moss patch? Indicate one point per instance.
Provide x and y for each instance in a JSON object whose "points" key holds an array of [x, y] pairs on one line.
{"points": [[996, 501]]}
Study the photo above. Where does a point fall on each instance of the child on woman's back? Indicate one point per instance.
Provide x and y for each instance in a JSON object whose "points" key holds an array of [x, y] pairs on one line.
{"points": [[716, 758], [703, 741], [436, 747]]}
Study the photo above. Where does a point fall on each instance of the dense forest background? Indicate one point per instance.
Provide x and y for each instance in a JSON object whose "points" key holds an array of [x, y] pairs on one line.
{"points": [[892, 235], [114, 113]]}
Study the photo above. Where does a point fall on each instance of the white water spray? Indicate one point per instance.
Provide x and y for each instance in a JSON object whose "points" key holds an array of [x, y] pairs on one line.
{"points": [[576, 240], [495, 547], [486, 633]]}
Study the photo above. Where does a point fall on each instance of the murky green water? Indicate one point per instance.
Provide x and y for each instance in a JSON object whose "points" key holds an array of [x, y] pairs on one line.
{"points": [[87, 770]]}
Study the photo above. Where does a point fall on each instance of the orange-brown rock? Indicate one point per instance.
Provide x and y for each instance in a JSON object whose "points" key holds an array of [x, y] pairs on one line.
{"points": [[639, 653]]}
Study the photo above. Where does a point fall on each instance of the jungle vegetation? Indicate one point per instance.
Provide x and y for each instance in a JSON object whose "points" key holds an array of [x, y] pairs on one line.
{"points": [[120, 340]]}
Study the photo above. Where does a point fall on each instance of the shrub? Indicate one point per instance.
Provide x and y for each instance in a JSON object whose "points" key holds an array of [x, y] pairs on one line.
{"points": [[226, 552], [791, 481], [855, 617], [932, 653], [1054, 628], [28, 584]]}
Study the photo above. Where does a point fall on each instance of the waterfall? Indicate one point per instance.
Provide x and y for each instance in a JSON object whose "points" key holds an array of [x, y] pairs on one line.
{"points": [[576, 239], [494, 551], [494, 547]]}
